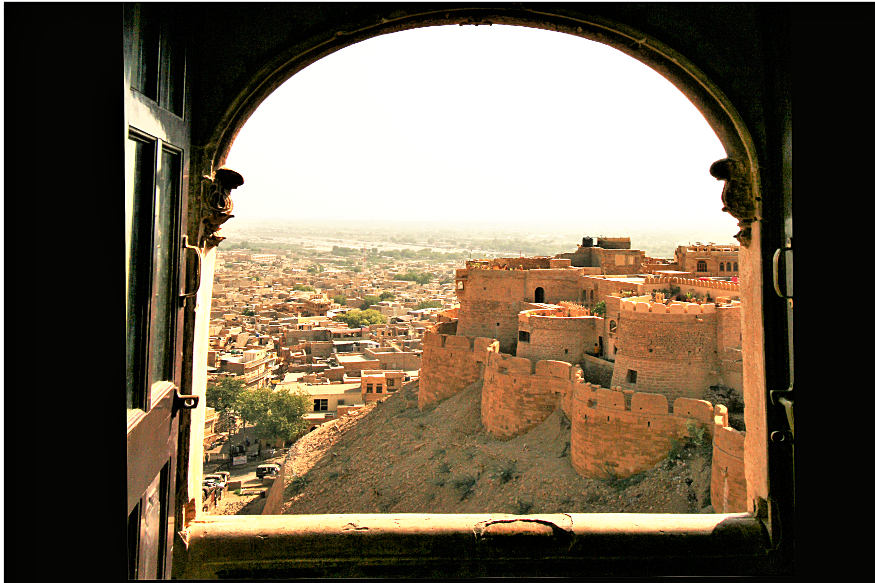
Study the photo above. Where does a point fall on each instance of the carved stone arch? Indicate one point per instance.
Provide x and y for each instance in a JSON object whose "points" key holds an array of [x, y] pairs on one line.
{"points": [[739, 169]]}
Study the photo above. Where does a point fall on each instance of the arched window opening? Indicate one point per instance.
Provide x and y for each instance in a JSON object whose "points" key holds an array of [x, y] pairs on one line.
{"points": [[463, 206]]}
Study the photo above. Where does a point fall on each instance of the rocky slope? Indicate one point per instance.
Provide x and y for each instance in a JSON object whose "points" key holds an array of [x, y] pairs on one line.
{"points": [[393, 458]]}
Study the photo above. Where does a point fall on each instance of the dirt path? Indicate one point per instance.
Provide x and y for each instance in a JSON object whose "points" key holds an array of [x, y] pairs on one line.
{"points": [[393, 458]]}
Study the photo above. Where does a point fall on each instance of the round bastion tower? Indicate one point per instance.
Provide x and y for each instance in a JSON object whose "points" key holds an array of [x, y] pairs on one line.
{"points": [[670, 350]]}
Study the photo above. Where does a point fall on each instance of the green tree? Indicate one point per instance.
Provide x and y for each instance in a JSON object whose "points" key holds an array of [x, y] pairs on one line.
{"points": [[420, 278], [284, 417], [369, 301], [339, 299], [599, 309], [301, 287], [428, 304], [276, 415], [359, 318], [222, 396], [387, 295], [252, 404]]}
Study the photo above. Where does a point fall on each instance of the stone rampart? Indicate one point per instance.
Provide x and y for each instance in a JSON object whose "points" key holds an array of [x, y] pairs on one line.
{"points": [[449, 364], [276, 486], [670, 350], [597, 370], [519, 394], [614, 435], [728, 482], [551, 335], [714, 288]]}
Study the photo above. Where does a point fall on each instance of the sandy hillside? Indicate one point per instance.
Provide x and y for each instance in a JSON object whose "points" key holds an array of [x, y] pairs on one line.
{"points": [[392, 458]]}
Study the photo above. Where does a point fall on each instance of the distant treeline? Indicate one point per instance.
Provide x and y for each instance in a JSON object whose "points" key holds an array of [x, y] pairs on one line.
{"points": [[273, 247], [420, 278]]}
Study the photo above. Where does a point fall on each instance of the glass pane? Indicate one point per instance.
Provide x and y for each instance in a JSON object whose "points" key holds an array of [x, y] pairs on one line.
{"points": [[150, 531], [144, 66], [164, 254], [133, 540], [140, 165], [173, 68]]}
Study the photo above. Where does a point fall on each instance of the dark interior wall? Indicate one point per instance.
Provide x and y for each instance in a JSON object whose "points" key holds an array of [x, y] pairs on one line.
{"points": [[249, 48]]}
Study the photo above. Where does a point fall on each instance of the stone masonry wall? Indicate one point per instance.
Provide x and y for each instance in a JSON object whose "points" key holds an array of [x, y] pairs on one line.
{"points": [[716, 289], [555, 337], [597, 370], [518, 394], [728, 482], [672, 349], [274, 502], [613, 435], [449, 364]]}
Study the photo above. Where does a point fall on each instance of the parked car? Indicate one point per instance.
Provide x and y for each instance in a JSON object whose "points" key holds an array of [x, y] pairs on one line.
{"points": [[267, 470], [225, 475]]}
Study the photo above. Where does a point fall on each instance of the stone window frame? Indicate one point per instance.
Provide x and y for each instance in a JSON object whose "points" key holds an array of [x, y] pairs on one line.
{"points": [[747, 531]]}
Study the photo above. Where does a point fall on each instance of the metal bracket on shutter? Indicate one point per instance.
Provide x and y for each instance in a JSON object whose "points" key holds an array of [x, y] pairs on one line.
{"points": [[197, 250], [183, 402], [785, 398], [788, 262]]}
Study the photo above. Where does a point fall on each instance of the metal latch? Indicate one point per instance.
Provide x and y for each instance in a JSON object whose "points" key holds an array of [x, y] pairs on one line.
{"points": [[183, 402], [785, 398]]}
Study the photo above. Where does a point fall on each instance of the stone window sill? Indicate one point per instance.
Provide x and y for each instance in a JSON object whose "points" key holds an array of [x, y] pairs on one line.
{"points": [[472, 545]]}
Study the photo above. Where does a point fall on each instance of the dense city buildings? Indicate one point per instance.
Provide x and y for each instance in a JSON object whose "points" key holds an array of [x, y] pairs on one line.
{"points": [[602, 324]]}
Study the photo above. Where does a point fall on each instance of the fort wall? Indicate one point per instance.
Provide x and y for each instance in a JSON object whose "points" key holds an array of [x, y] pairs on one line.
{"points": [[519, 394], [613, 434], [704, 286], [449, 364], [670, 350], [597, 370], [728, 482], [553, 336]]}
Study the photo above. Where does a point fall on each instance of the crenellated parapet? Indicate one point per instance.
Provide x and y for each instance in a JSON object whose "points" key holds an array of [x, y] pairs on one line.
{"points": [[715, 288], [667, 349], [728, 482], [449, 364], [622, 433], [519, 394], [556, 334], [642, 305]]}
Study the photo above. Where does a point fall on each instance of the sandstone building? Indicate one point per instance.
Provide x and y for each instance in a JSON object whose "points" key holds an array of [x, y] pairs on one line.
{"points": [[523, 329]]}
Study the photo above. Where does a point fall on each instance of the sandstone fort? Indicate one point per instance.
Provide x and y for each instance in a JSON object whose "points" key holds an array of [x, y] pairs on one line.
{"points": [[602, 334]]}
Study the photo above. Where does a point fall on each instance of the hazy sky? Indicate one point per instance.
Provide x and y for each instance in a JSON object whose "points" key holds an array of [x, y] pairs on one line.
{"points": [[480, 123]]}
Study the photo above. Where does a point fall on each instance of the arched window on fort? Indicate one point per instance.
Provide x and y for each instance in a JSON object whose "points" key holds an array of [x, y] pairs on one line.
{"points": [[702, 266], [539, 295], [612, 326], [721, 266], [735, 267]]}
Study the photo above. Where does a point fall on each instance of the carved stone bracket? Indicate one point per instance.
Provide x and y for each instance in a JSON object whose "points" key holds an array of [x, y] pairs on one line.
{"points": [[217, 206], [738, 198]]}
